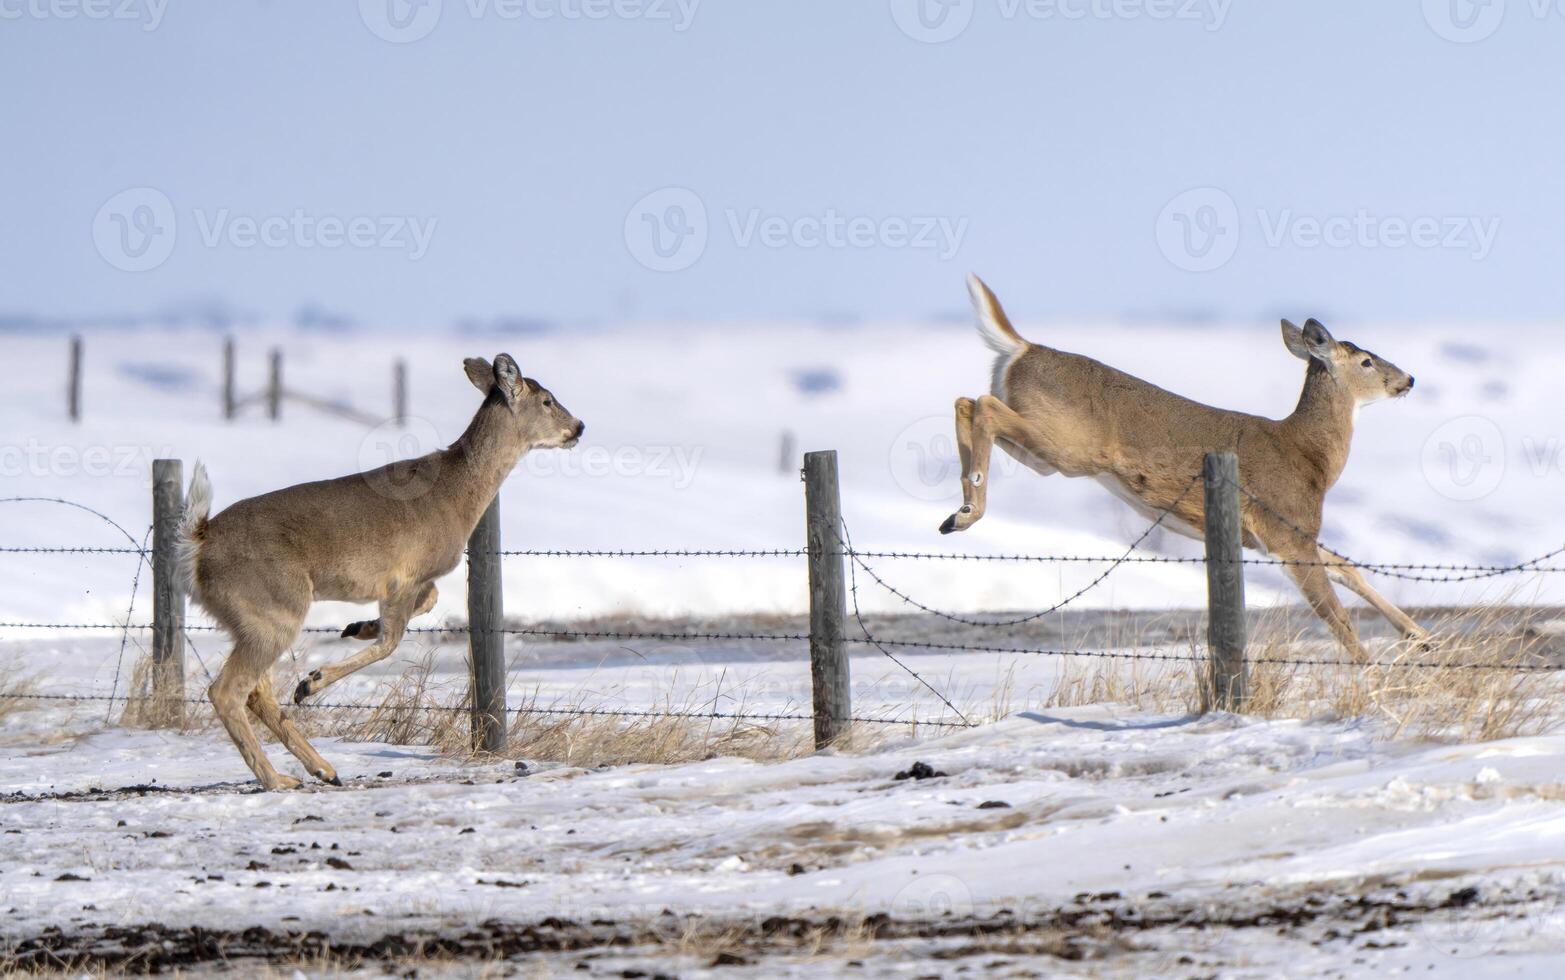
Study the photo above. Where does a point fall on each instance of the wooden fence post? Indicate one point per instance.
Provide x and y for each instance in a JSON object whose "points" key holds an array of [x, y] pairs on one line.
{"points": [[399, 392], [230, 396], [168, 596], [274, 386], [485, 622], [828, 598], [1225, 583], [73, 381]]}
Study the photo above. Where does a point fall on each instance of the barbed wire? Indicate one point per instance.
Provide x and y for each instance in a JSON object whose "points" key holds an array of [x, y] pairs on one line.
{"points": [[1389, 570], [522, 710], [1031, 617]]}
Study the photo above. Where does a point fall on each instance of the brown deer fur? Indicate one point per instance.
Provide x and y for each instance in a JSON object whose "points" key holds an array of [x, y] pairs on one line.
{"points": [[382, 536], [1064, 413]]}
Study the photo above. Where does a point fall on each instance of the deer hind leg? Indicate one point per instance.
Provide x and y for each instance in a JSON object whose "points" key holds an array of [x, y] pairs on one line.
{"points": [[369, 629], [263, 704], [395, 611], [1354, 579], [1315, 586], [982, 423], [252, 657]]}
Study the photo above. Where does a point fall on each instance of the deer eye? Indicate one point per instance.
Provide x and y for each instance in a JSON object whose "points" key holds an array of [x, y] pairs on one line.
{"points": [[1366, 363], [550, 401]]}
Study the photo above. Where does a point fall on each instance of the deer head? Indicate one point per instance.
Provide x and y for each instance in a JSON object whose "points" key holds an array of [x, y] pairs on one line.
{"points": [[537, 419]]}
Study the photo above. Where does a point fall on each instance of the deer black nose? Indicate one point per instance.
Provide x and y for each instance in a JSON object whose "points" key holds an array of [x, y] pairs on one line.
{"points": [[580, 428], [1410, 382]]}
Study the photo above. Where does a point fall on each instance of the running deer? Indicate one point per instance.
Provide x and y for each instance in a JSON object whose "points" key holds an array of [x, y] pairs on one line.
{"points": [[1057, 412], [381, 536]]}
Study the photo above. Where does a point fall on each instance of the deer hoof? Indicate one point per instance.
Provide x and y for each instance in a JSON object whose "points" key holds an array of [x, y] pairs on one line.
{"points": [[352, 629], [949, 525], [306, 687], [281, 781], [335, 779]]}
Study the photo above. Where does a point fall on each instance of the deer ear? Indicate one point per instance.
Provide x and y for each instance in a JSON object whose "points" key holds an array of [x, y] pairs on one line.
{"points": [[508, 378], [1318, 338], [1293, 339], [479, 373]]}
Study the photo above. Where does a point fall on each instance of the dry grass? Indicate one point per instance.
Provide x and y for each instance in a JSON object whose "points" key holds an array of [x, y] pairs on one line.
{"points": [[1468, 683], [416, 709], [12, 684]]}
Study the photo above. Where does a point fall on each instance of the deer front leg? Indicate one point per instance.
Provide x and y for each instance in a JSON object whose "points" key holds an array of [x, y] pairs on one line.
{"points": [[369, 629], [1354, 579], [1315, 586], [394, 614]]}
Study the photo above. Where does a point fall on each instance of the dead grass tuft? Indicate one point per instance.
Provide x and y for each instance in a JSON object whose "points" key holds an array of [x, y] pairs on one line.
{"points": [[1470, 682]]}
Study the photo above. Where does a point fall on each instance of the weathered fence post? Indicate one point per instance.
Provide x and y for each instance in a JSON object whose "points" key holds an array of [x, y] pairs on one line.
{"points": [[73, 381], [485, 622], [230, 397], [1224, 582], [168, 596], [274, 386], [828, 598], [399, 392]]}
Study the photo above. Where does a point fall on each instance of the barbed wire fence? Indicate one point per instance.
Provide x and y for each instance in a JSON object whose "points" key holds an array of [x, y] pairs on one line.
{"points": [[835, 566]]}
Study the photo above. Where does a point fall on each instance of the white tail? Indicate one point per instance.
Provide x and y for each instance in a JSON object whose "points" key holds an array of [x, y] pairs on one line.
{"points": [[192, 525], [993, 325]]}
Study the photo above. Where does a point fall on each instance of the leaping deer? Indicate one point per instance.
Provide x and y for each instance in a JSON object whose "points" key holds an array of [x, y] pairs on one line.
{"points": [[1057, 412], [381, 536]]}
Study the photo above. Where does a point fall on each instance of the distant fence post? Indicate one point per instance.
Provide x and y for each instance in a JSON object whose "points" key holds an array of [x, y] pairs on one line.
{"points": [[274, 386], [73, 381], [828, 598], [168, 596], [230, 396], [399, 392], [1225, 583], [485, 622]]}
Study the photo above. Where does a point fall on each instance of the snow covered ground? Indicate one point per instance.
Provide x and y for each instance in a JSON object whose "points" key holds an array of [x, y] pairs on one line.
{"points": [[1143, 844], [1128, 842]]}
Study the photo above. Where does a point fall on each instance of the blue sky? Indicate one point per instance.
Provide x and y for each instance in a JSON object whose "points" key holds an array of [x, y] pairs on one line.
{"points": [[568, 159]]}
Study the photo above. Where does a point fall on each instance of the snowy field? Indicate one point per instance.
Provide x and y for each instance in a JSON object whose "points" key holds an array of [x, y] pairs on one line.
{"points": [[1090, 840]]}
